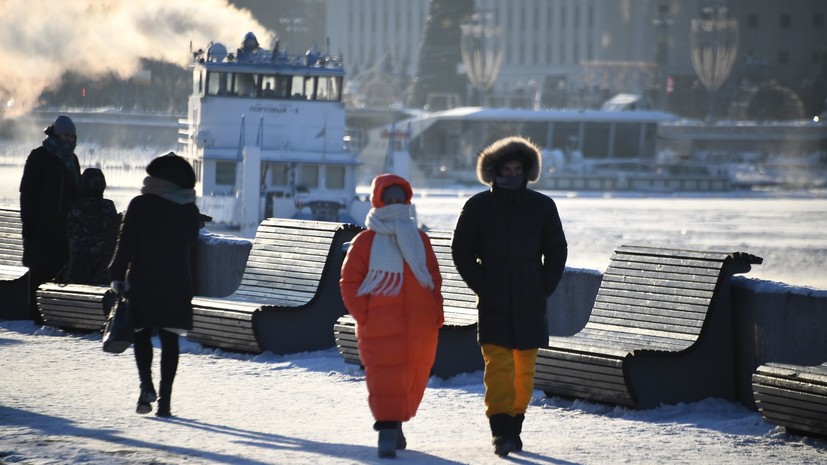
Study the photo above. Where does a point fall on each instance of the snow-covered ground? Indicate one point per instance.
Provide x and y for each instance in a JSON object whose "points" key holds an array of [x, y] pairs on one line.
{"points": [[64, 401]]}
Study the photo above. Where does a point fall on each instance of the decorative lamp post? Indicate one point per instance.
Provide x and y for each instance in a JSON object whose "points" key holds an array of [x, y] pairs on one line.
{"points": [[482, 50], [662, 23], [714, 46]]}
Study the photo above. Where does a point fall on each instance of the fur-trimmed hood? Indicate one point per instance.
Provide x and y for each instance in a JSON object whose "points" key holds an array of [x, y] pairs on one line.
{"points": [[507, 149]]}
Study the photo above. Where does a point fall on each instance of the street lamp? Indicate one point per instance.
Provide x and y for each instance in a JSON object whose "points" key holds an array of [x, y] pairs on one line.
{"points": [[662, 23], [482, 50], [714, 45]]}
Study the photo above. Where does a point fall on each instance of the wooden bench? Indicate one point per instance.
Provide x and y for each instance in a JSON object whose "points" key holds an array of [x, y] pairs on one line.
{"points": [[288, 298], [660, 331], [14, 277], [78, 307], [792, 396], [457, 350], [73, 307]]}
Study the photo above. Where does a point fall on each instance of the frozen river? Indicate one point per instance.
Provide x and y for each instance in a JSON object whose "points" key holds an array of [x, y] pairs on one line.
{"points": [[789, 230]]}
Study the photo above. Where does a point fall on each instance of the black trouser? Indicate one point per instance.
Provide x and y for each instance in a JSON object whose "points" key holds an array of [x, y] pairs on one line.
{"points": [[169, 358]]}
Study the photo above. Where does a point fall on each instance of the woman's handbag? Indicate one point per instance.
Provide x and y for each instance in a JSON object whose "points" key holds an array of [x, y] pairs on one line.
{"points": [[118, 332]]}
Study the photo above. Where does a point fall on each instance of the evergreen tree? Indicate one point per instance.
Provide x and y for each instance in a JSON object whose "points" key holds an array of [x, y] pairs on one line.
{"points": [[439, 52]]}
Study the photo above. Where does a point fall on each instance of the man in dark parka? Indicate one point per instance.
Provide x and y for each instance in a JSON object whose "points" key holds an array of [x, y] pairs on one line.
{"points": [[510, 249], [49, 185]]}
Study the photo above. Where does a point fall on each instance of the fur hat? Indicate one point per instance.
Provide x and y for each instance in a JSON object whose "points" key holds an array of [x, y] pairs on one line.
{"points": [[505, 150], [174, 169], [384, 181]]}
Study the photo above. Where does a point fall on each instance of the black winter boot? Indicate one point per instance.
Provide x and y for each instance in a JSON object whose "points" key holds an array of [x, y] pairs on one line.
{"points": [[518, 428], [401, 442], [388, 438], [502, 432], [146, 398], [164, 401]]}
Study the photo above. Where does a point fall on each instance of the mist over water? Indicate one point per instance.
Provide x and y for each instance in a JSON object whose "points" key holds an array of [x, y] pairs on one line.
{"points": [[43, 39]]}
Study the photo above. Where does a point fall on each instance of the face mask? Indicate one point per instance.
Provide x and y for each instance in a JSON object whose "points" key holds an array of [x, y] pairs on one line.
{"points": [[509, 182]]}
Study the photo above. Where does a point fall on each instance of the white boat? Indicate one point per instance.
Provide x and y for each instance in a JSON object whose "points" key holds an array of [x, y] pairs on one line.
{"points": [[265, 132]]}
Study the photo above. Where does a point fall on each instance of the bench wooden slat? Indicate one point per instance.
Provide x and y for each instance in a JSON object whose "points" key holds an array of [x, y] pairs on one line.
{"points": [[792, 396], [661, 321], [288, 297], [291, 271], [14, 277], [72, 307]]}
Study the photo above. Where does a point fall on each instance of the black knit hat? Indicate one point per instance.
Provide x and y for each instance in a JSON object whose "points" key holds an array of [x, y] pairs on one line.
{"points": [[174, 169], [92, 182]]}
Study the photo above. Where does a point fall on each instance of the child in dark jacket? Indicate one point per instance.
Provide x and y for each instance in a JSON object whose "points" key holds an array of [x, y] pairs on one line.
{"points": [[92, 227]]}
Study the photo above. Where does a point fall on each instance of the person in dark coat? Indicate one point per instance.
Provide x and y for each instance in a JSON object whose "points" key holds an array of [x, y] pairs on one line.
{"points": [[92, 228], [48, 187], [159, 228], [509, 247]]}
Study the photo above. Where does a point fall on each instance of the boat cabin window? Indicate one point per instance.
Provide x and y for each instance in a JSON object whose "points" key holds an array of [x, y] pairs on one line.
{"points": [[279, 174], [309, 177], [246, 85], [302, 87], [328, 88], [225, 173], [275, 86], [335, 177], [220, 83]]}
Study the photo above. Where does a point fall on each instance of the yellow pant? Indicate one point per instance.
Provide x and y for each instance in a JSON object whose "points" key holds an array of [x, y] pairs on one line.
{"points": [[508, 378]]}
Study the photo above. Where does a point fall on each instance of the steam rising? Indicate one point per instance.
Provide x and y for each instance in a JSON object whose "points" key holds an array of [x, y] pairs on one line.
{"points": [[42, 39]]}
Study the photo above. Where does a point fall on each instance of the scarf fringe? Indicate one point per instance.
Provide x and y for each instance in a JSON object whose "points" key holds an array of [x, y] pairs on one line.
{"points": [[379, 282], [397, 242]]}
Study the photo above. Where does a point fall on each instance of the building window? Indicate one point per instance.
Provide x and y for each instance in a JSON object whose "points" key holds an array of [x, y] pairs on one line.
{"points": [[783, 57], [752, 21], [785, 21], [818, 21]]}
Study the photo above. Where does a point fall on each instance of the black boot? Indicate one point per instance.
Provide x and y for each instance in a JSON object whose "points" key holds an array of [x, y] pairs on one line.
{"points": [[518, 428], [146, 398], [388, 437], [401, 442], [164, 401], [502, 433]]}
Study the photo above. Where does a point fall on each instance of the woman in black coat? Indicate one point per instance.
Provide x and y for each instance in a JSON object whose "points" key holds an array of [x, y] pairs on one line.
{"points": [[152, 266], [509, 247], [49, 185]]}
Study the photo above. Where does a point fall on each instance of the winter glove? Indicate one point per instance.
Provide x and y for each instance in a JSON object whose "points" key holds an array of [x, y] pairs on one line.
{"points": [[121, 287]]}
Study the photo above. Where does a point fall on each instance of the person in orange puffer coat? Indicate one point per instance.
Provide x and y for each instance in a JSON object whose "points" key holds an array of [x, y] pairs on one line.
{"points": [[392, 286]]}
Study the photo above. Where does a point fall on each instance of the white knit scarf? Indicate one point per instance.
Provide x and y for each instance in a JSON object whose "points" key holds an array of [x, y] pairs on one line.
{"points": [[397, 239]]}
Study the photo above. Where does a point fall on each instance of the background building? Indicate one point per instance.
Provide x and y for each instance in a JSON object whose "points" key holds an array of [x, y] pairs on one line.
{"points": [[575, 53]]}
